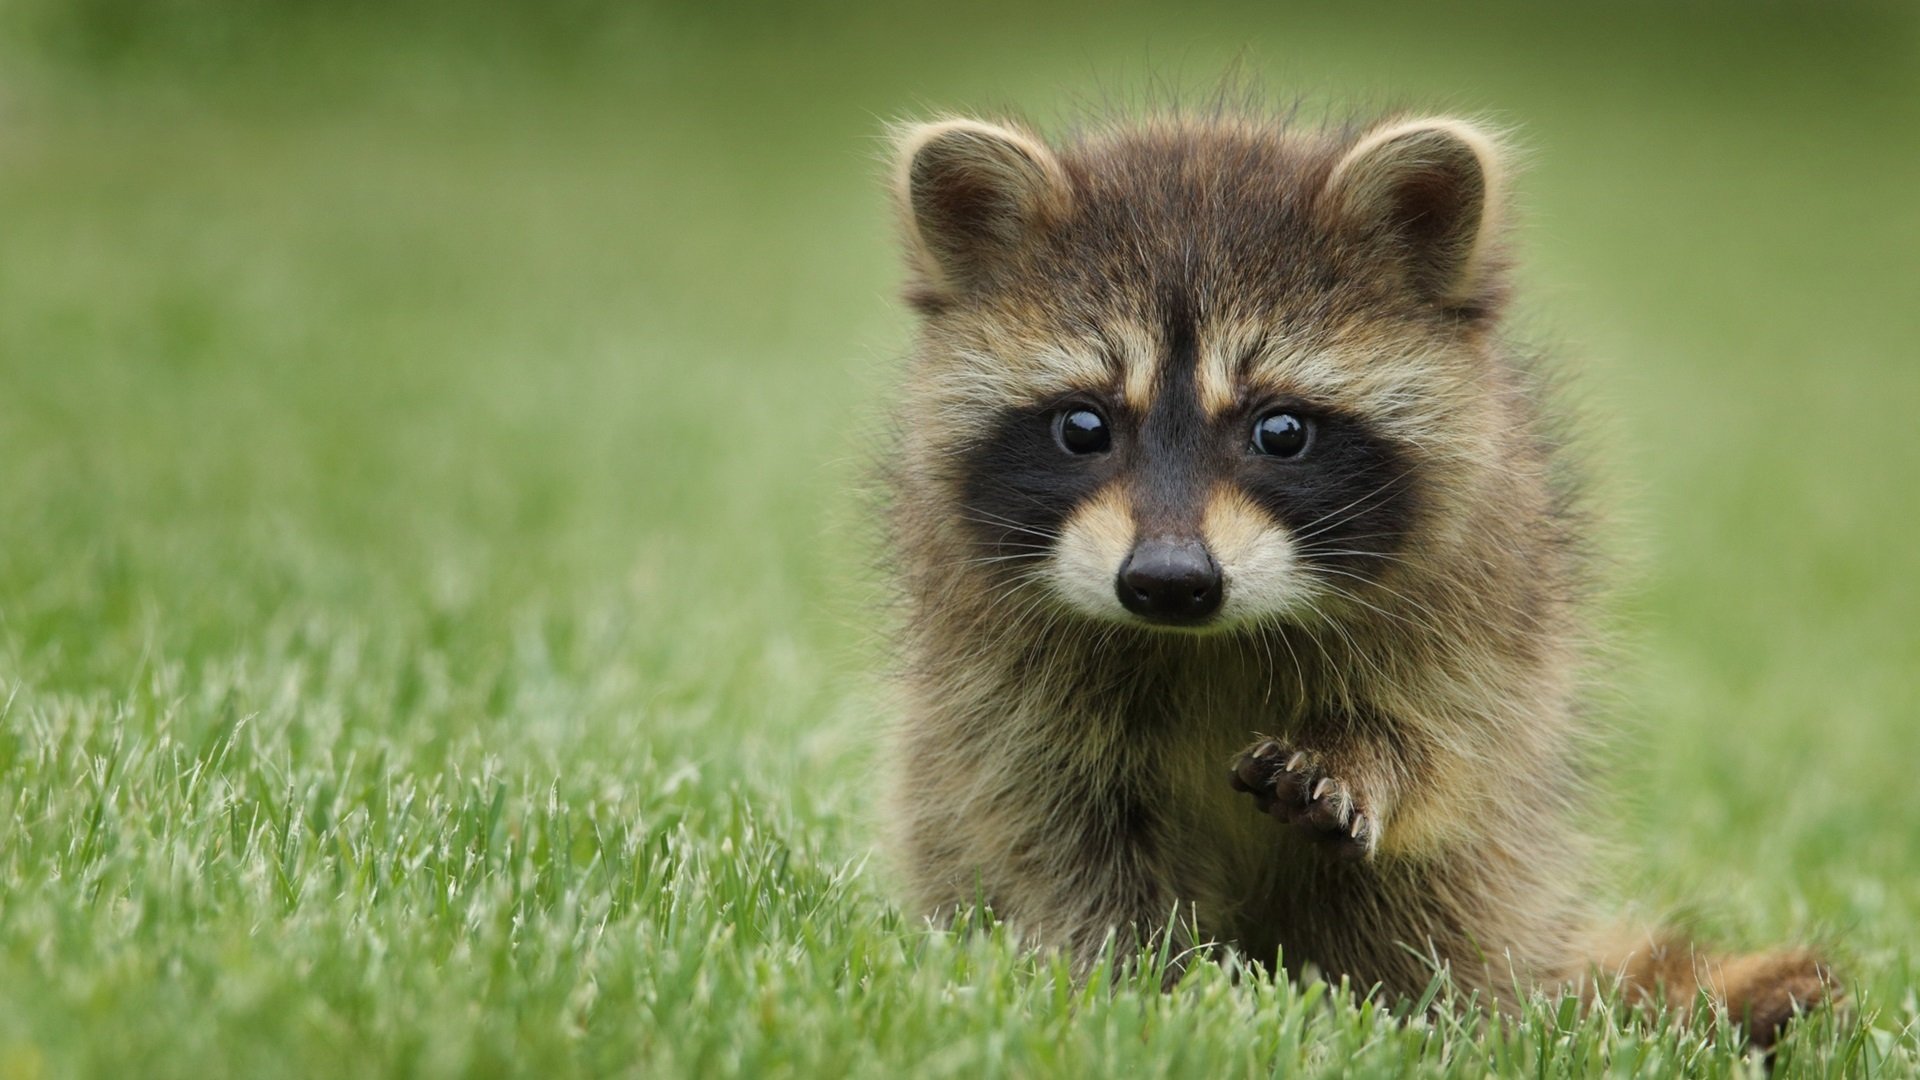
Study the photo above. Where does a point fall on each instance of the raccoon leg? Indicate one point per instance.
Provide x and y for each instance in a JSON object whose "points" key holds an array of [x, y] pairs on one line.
{"points": [[1391, 925], [1302, 788], [1072, 855]]}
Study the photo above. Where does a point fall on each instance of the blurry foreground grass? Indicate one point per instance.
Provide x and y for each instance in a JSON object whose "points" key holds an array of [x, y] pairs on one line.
{"points": [[435, 631]]}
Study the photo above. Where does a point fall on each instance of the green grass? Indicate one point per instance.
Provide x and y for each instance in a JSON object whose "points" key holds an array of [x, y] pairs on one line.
{"points": [[436, 634]]}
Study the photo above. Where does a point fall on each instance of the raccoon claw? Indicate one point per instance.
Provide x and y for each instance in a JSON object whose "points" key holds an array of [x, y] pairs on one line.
{"points": [[1294, 787]]}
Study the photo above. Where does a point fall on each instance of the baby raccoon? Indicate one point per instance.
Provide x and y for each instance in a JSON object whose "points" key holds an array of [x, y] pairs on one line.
{"points": [[1241, 593]]}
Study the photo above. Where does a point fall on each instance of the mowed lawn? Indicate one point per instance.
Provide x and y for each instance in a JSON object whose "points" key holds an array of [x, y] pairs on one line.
{"points": [[438, 625]]}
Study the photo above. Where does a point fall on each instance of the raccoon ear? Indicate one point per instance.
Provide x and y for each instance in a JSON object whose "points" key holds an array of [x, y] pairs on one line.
{"points": [[1430, 189], [970, 193]]}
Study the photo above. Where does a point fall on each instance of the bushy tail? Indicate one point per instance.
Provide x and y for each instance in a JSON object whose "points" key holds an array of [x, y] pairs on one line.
{"points": [[1760, 991]]}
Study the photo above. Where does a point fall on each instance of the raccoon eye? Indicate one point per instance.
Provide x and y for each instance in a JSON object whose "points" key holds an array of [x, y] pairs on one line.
{"points": [[1081, 431], [1282, 434]]}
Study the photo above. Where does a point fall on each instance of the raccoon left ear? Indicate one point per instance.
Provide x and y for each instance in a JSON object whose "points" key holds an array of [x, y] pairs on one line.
{"points": [[1431, 189]]}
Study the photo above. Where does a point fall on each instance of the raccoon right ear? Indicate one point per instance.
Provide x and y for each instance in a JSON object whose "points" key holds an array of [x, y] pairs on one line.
{"points": [[1429, 191], [971, 193]]}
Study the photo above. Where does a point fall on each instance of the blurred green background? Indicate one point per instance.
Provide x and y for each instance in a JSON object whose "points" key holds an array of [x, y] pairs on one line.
{"points": [[437, 630]]}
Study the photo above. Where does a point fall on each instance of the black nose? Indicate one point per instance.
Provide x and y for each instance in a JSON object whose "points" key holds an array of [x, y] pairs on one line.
{"points": [[1171, 581]]}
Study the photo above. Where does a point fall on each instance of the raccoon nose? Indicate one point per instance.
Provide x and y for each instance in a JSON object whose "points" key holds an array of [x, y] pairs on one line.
{"points": [[1170, 581]]}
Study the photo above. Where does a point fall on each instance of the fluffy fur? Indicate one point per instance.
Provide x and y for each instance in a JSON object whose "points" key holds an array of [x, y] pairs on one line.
{"points": [[1369, 757]]}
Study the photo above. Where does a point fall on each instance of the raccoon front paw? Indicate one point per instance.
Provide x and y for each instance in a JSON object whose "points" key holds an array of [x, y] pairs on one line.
{"points": [[1294, 787]]}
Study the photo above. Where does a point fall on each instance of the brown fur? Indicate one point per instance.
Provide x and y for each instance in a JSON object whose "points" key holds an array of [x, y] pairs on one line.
{"points": [[1070, 770]]}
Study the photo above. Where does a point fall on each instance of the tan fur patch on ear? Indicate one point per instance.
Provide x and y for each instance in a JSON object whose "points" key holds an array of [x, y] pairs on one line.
{"points": [[1363, 179], [1086, 559]]}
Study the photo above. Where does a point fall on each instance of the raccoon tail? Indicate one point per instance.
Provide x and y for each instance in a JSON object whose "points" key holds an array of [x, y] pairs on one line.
{"points": [[1759, 991]]}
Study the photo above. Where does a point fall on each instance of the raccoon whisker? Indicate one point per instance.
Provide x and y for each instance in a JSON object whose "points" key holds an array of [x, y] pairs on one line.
{"points": [[990, 560], [1021, 577], [1352, 645], [1101, 637], [1033, 604], [1013, 489], [1266, 645], [1436, 627], [1348, 512], [1352, 553], [985, 517], [1014, 608], [1334, 670], [1312, 527], [1013, 588], [1354, 509], [1049, 618], [1012, 633], [1019, 529], [1317, 549], [1018, 545], [1373, 536], [1010, 526], [1352, 597], [1021, 556], [1015, 540], [1402, 596], [1507, 605], [1300, 672]]}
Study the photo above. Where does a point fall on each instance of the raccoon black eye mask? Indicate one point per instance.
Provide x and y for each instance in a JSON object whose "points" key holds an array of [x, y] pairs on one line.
{"points": [[1082, 430], [1239, 599]]}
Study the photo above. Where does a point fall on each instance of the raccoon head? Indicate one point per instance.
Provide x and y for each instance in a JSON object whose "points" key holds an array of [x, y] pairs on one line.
{"points": [[1200, 374]]}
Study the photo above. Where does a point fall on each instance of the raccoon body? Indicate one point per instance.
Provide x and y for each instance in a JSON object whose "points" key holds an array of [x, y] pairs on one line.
{"points": [[1242, 598]]}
